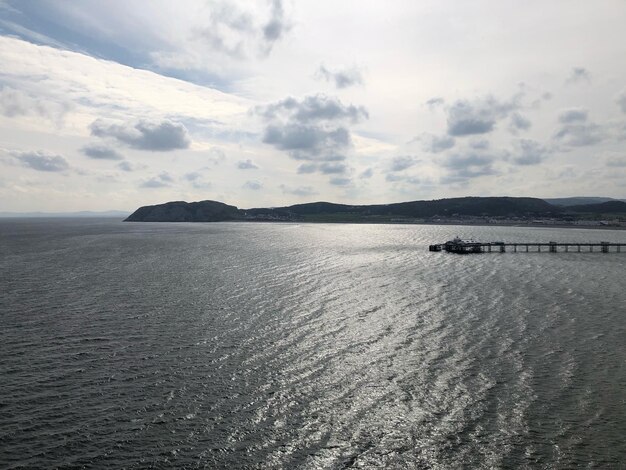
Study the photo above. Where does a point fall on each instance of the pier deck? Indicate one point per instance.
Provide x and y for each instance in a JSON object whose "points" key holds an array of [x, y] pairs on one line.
{"points": [[464, 246]]}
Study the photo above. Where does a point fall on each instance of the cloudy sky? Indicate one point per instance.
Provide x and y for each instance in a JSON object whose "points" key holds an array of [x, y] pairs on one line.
{"points": [[120, 103]]}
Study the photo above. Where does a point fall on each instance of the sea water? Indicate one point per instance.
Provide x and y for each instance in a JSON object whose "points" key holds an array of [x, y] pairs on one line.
{"points": [[252, 345]]}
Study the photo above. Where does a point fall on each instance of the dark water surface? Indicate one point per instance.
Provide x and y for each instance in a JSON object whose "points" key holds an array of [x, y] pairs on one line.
{"points": [[307, 346]]}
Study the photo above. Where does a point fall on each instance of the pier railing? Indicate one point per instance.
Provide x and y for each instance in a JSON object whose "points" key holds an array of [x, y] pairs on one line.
{"points": [[549, 247]]}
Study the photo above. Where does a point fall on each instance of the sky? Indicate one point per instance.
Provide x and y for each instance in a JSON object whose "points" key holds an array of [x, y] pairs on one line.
{"points": [[118, 104]]}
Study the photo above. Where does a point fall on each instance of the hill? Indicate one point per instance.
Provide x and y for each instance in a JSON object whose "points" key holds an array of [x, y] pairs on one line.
{"points": [[609, 207], [213, 211], [577, 201], [181, 211]]}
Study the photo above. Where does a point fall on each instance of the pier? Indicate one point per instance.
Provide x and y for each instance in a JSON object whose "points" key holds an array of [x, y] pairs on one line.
{"points": [[470, 246]]}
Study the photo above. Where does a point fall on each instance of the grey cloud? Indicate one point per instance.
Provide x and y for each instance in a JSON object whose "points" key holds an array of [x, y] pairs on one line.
{"points": [[329, 168], [573, 115], [529, 152], [341, 78], [579, 74], [621, 101], [159, 181], [42, 161], [366, 174], [101, 152], [236, 33], [299, 191], [397, 178], [145, 135], [519, 122], [580, 135], [247, 165], [314, 129], [125, 166], [192, 176], [307, 168], [466, 166], [435, 102], [616, 162], [277, 25], [196, 178], [478, 116], [313, 109], [480, 144], [436, 144], [402, 163], [229, 30], [252, 185], [309, 143], [340, 181]]}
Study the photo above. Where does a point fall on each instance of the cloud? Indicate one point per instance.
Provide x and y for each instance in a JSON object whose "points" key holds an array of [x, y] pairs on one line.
{"points": [[340, 181], [529, 152], [41, 160], [160, 181], [309, 142], [578, 74], [621, 101], [299, 191], [580, 134], [196, 178], [307, 168], [236, 33], [399, 178], [14, 102], [366, 174], [519, 122], [436, 144], [253, 185], [402, 163], [481, 144], [435, 102], [247, 165], [342, 78], [478, 116], [313, 129], [101, 152], [316, 108], [462, 167], [277, 24], [125, 166], [331, 168], [616, 162], [155, 136], [573, 115]]}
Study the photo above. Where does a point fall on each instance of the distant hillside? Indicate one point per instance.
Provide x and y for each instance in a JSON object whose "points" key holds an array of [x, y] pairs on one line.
{"points": [[610, 207], [577, 201], [213, 211]]}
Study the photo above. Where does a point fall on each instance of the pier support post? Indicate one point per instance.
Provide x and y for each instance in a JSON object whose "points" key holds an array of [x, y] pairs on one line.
{"points": [[605, 247], [502, 248], [578, 248], [552, 247]]}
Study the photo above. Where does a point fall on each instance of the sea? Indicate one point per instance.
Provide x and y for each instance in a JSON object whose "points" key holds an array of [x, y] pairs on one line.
{"points": [[307, 346]]}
